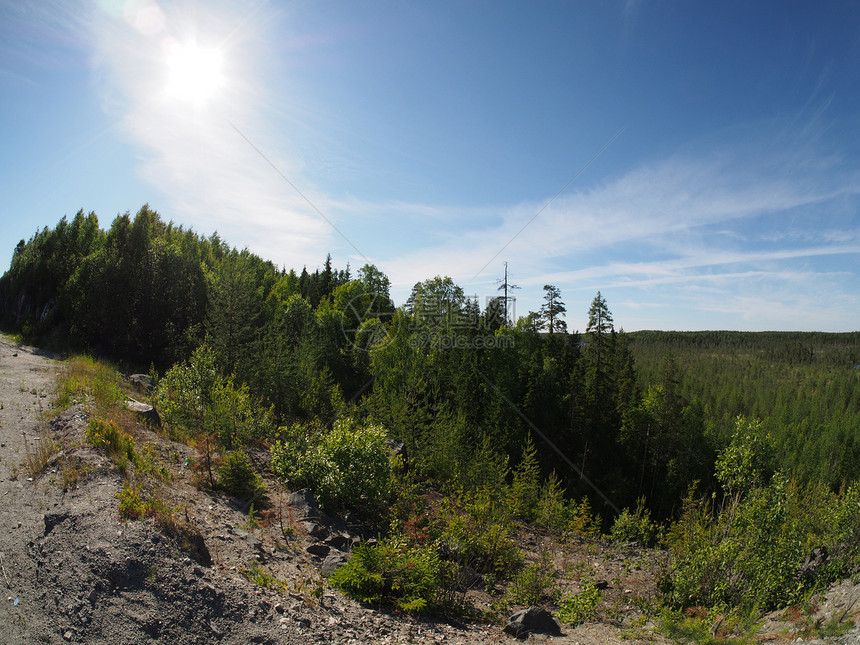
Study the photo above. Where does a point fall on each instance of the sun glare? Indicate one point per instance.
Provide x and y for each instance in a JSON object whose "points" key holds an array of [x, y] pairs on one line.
{"points": [[194, 73]]}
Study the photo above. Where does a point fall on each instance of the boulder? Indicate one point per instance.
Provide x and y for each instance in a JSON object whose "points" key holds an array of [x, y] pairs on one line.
{"points": [[340, 542], [468, 578], [808, 571], [321, 550], [315, 529], [142, 382], [397, 448], [532, 620], [306, 504], [331, 563], [144, 411]]}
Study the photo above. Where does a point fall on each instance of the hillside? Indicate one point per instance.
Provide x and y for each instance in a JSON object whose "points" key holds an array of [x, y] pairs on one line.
{"points": [[77, 571], [439, 461]]}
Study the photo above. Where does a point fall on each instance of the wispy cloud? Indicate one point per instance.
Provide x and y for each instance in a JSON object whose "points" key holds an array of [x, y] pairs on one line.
{"points": [[719, 221], [193, 156]]}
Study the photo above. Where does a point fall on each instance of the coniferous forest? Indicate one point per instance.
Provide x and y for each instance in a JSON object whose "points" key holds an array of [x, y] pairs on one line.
{"points": [[603, 421]]}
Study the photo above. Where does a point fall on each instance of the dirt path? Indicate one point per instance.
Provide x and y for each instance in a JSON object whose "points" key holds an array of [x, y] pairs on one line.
{"points": [[26, 386]]}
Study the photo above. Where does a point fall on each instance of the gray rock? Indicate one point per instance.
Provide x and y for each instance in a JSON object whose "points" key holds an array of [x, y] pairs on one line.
{"points": [[304, 500], [340, 542], [532, 620], [331, 563], [315, 529], [321, 550], [144, 411], [143, 382], [468, 578], [814, 561]]}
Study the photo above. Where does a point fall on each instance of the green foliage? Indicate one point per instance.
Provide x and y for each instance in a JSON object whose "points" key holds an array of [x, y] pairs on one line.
{"points": [[132, 505], [747, 553], [391, 571], [348, 466], [715, 627], [237, 477], [635, 526], [118, 444], [83, 379], [747, 462], [575, 609], [475, 530], [195, 398], [533, 584], [259, 575], [136, 504], [525, 492], [803, 386]]}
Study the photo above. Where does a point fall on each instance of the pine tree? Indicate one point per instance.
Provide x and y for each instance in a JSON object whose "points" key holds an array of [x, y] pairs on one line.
{"points": [[551, 309]]}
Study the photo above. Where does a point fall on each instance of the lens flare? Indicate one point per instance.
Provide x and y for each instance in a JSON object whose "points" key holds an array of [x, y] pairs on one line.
{"points": [[194, 73]]}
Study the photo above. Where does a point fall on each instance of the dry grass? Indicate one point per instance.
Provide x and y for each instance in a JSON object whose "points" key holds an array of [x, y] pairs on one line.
{"points": [[38, 451]]}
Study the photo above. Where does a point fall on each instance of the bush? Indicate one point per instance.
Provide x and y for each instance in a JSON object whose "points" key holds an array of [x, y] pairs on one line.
{"points": [[237, 477], [533, 584], [747, 554], [579, 608], [636, 526], [391, 571], [475, 530], [118, 444], [525, 490], [195, 398], [348, 466]]}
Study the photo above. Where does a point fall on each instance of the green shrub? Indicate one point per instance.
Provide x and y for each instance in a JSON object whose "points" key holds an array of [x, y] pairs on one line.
{"points": [[83, 379], [348, 466], [575, 609], [533, 584], [195, 398], [475, 530], [636, 526], [747, 553], [237, 477], [132, 505], [135, 503], [117, 444], [525, 490], [565, 515], [393, 572]]}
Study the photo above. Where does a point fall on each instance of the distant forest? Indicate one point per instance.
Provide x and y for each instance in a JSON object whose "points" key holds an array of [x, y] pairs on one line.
{"points": [[616, 416]]}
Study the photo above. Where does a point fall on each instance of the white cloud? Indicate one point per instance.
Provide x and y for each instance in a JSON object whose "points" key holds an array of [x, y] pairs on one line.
{"points": [[216, 165], [673, 225]]}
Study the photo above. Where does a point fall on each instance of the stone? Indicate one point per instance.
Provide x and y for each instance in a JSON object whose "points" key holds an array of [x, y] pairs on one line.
{"points": [[814, 561], [331, 563], [340, 542], [321, 550], [146, 412], [143, 382], [304, 500], [532, 620], [468, 578], [315, 529]]}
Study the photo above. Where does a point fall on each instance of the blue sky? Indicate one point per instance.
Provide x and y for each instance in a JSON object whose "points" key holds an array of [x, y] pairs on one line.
{"points": [[698, 163]]}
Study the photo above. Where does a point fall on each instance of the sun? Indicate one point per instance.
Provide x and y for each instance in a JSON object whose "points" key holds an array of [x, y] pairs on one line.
{"points": [[194, 73]]}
